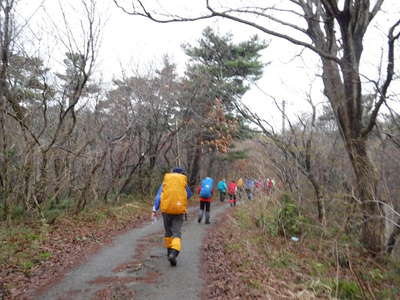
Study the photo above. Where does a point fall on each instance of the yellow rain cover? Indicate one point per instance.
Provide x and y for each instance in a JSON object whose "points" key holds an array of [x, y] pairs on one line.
{"points": [[174, 195], [240, 182]]}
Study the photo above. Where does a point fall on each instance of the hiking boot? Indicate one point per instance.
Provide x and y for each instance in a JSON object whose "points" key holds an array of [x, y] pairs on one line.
{"points": [[207, 217], [200, 215], [172, 257]]}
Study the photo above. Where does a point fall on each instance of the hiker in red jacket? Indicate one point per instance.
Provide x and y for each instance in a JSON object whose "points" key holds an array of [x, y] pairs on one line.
{"points": [[205, 191], [232, 190], [269, 185]]}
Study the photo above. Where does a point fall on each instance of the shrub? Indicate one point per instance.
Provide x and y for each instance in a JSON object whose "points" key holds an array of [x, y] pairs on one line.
{"points": [[52, 214], [267, 224], [243, 218], [62, 204], [14, 211], [289, 219], [17, 211], [348, 290]]}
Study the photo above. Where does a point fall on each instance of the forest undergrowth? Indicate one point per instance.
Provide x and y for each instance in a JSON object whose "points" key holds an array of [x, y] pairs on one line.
{"points": [[266, 249]]}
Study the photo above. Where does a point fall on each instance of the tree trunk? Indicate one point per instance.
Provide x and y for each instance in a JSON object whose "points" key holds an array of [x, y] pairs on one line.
{"points": [[211, 163], [393, 236], [346, 98], [58, 171], [5, 40], [41, 183], [3, 153], [150, 171], [195, 165], [319, 195], [367, 180]]}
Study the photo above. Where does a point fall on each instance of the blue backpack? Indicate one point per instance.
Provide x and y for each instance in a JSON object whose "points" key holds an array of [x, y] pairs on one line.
{"points": [[206, 187]]}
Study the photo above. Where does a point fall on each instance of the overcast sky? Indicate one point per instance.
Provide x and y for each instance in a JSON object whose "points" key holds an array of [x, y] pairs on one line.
{"points": [[135, 41], [141, 41]]}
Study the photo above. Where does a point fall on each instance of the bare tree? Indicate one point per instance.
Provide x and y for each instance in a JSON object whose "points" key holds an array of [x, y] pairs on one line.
{"points": [[336, 34], [6, 38], [41, 114], [80, 49], [297, 145]]}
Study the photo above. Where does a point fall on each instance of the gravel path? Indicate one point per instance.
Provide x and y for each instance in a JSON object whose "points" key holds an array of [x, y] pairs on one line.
{"points": [[135, 266]]}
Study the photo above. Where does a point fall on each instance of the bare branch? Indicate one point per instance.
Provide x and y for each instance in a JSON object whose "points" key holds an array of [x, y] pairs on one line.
{"points": [[291, 39], [376, 8], [228, 14], [23, 125], [389, 77], [261, 14], [146, 14]]}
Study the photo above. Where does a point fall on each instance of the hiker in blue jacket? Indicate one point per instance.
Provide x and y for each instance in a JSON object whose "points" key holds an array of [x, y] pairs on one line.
{"points": [[249, 187], [205, 191], [222, 187]]}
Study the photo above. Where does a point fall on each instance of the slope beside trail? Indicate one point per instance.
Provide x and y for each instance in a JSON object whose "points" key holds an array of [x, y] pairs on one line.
{"points": [[135, 266]]}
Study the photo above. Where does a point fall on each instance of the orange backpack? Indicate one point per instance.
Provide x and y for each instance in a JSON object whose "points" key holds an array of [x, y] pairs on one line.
{"points": [[174, 196]]}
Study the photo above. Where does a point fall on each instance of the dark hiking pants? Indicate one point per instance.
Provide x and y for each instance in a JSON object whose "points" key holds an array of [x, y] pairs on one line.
{"points": [[204, 206], [222, 196], [173, 231]]}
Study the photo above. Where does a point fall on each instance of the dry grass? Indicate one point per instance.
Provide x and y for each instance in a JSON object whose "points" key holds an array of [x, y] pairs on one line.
{"points": [[247, 259]]}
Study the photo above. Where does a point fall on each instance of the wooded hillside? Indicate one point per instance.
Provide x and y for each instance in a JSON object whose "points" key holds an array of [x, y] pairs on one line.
{"points": [[71, 142]]}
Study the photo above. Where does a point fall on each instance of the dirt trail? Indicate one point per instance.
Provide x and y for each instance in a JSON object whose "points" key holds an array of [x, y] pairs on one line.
{"points": [[135, 266]]}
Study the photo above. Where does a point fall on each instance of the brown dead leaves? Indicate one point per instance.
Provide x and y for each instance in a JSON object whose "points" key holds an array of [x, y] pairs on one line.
{"points": [[233, 269], [68, 242]]}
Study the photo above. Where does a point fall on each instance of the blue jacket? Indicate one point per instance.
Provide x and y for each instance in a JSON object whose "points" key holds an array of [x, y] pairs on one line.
{"points": [[222, 186], [249, 184], [157, 198]]}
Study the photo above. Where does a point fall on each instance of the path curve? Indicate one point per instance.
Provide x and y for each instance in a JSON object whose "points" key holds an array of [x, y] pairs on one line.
{"points": [[135, 266]]}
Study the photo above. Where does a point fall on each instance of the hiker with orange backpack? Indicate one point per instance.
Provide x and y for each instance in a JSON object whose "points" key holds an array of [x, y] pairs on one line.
{"points": [[171, 199], [232, 190], [205, 191]]}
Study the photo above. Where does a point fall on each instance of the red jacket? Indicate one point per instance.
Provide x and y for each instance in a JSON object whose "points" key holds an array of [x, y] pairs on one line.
{"points": [[204, 199], [232, 188]]}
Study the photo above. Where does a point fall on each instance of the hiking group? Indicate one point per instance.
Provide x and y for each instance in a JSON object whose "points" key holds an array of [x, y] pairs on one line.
{"points": [[235, 190], [172, 199]]}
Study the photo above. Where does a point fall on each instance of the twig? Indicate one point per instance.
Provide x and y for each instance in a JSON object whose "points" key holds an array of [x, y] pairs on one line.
{"points": [[360, 282], [337, 270]]}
